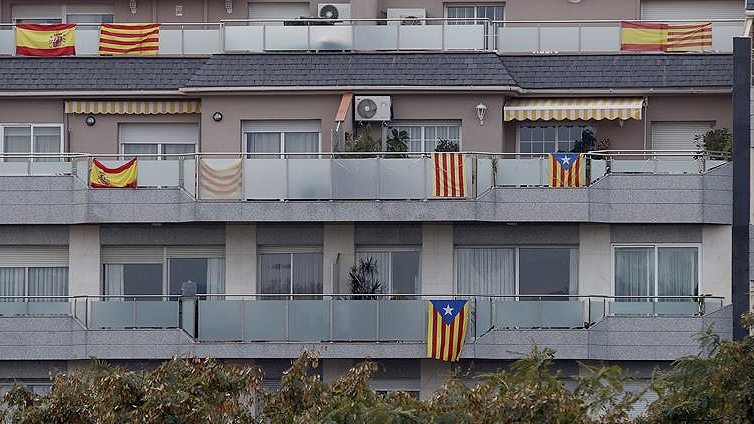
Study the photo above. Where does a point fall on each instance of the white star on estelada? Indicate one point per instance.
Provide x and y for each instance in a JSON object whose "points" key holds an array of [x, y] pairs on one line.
{"points": [[448, 310], [566, 160]]}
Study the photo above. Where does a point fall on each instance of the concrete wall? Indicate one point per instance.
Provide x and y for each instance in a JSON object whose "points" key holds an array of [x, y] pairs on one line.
{"points": [[337, 255], [533, 10], [716, 261], [84, 267], [594, 259], [437, 259], [241, 258]]}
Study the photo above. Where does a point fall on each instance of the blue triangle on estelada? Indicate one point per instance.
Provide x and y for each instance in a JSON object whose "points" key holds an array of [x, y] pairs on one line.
{"points": [[565, 159], [448, 309]]}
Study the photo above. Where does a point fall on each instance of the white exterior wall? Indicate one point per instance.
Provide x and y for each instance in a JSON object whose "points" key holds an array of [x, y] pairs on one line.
{"points": [[716, 261], [337, 247], [594, 259], [241, 258], [437, 259], [84, 264]]}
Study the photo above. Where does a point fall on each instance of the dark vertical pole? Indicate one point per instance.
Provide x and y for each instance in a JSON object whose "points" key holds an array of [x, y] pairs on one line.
{"points": [[741, 180]]}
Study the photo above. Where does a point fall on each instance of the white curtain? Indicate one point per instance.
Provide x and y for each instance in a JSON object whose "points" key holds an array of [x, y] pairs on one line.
{"points": [[486, 271], [263, 142], [17, 140], [11, 283], [135, 149], [216, 275], [382, 263], [677, 271], [301, 142], [48, 282], [307, 273], [274, 273], [634, 271], [46, 140], [573, 274], [113, 279]]}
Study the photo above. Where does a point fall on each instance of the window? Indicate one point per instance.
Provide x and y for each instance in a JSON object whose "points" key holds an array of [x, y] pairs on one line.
{"points": [[467, 14], [552, 138], [424, 137], [145, 139], [207, 273], [34, 281], [656, 270], [290, 273], [397, 270], [66, 13], [32, 139], [89, 18], [282, 137], [517, 270]]}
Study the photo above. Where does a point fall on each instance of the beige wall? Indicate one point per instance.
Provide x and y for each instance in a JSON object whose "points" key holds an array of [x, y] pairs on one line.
{"points": [[84, 265], [337, 246], [594, 259], [437, 259], [102, 137], [533, 10], [716, 261], [31, 111], [241, 258]]}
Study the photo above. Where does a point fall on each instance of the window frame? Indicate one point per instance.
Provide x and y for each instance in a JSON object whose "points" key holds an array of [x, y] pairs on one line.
{"points": [[656, 247], [476, 7], [288, 251], [423, 125], [390, 250], [280, 127], [516, 265], [31, 127], [558, 124], [62, 13], [123, 155]]}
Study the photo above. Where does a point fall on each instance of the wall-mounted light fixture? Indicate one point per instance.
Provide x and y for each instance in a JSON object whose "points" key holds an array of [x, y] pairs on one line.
{"points": [[620, 123], [90, 121], [229, 6], [217, 116], [132, 6], [481, 112]]}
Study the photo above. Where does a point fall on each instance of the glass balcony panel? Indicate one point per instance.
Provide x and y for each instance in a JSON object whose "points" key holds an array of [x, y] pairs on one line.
{"points": [[482, 314], [513, 314], [464, 37], [265, 178], [678, 165], [308, 321], [220, 320], [520, 171], [600, 39], [331, 37], [420, 37], [82, 169], [7, 41], [631, 308], [598, 169], [189, 176], [404, 178], [244, 38], [201, 41], [13, 308], [112, 314], [484, 174], [286, 38], [714, 163], [723, 33], [563, 314], [683, 308], [188, 315], [80, 310], [170, 41], [375, 37], [157, 314], [87, 40], [308, 178], [354, 320], [265, 321], [158, 173], [633, 165], [21, 167], [517, 40], [596, 310], [355, 178], [563, 39], [49, 308], [51, 168], [398, 320]]}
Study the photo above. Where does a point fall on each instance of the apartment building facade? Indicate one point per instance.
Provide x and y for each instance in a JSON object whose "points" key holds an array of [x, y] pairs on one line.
{"points": [[244, 190]]}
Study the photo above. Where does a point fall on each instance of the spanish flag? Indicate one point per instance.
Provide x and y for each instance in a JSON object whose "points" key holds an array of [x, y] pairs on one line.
{"points": [[661, 37], [446, 329], [123, 176], [117, 39], [46, 40]]}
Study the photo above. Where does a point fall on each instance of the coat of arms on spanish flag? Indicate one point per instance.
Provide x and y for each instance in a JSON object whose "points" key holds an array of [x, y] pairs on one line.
{"points": [[123, 176], [46, 40], [446, 329]]}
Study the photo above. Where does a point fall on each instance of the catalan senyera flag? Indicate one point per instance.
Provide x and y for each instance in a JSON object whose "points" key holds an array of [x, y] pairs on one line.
{"points": [[124, 176], [449, 176], [566, 170], [446, 329], [115, 39], [660, 37], [220, 178], [46, 39]]}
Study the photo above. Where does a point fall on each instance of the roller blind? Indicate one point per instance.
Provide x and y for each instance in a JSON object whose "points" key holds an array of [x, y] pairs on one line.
{"points": [[677, 135], [693, 10], [303, 125], [49, 256], [132, 255], [196, 252], [158, 133]]}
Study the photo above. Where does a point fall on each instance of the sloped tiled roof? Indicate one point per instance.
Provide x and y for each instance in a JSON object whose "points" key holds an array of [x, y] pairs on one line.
{"points": [[621, 71]]}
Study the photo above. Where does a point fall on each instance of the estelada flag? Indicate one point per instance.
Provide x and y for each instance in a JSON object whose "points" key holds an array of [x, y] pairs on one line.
{"points": [[449, 176], [660, 37], [117, 39], [124, 176], [566, 170], [46, 39], [446, 329]]}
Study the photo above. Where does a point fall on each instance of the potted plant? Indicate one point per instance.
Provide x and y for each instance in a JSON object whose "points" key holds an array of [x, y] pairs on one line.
{"points": [[445, 145], [363, 142], [715, 140], [397, 141], [363, 278]]}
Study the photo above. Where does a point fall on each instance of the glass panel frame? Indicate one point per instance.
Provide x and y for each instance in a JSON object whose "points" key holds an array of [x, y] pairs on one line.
{"points": [[660, 253]]}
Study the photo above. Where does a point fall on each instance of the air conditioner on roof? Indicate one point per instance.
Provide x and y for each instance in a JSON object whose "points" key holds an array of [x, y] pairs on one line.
{"points": [[373, 108], [334, 10], [413, 16]]}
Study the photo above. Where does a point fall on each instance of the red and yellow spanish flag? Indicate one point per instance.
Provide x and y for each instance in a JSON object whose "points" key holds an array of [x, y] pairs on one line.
{"points": [[446, 329], [449, 176], [46, 40], [124, 176], [566, 170], [661, 37], [117, 39]]}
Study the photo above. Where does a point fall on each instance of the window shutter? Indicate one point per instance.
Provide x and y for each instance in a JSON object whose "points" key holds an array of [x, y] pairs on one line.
{"points": [[693, 10], [158, 133], [677, 135], [132, 255], [196, 252], [33, 256]]}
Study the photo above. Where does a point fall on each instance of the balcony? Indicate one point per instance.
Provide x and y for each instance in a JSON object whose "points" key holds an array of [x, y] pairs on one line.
{"points": [[435, 34]]}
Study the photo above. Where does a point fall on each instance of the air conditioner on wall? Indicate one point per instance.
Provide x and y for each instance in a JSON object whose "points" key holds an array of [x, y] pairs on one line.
{"points": [[334, 11], [413, 16], [373, 108]]}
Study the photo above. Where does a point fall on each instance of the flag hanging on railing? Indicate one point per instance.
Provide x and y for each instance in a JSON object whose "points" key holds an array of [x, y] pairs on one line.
{"points": [[46, 40], [660, 37], [220, 178], [446, 329], [449, 176], [123, 176], [115, 39], [566, 170]]}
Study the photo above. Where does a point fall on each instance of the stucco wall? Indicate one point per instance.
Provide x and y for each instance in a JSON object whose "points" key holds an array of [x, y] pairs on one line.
{"points": [[32, 111]]}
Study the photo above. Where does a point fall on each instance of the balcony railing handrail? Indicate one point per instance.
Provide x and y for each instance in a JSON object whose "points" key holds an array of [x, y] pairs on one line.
{"points": [[616, 21], [367, 295], [97, 24]]}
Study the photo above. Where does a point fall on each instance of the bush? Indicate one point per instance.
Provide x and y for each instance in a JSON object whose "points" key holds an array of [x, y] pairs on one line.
{"points": [[445, 145], [715, 140], [363, 142]]}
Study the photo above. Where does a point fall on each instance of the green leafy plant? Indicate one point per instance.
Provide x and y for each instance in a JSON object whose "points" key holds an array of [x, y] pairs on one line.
{"points": [[445, 145], [715, 140], [397, 141], [363, 142], [363, 278], [589, 142]]}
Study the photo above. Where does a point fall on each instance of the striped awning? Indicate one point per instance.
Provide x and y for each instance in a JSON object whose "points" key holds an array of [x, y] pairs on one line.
{"points": [[573, 109], [134, 107]]}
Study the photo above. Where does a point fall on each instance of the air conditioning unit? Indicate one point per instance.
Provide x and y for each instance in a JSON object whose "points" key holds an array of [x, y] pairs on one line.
{"points": [[373, 108], [407, 16], [334, 10]]}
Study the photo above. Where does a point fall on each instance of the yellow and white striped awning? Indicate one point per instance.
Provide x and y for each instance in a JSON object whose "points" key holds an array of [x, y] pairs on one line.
{"points": [[134, 107], [573, 109]]}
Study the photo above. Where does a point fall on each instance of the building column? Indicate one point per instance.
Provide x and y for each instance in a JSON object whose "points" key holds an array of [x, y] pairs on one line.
{"points": [[594, 259], [716, 261], [437, 259], [434, 374], [241, 258], [337, 255], [84, 263], [334, 368]]}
